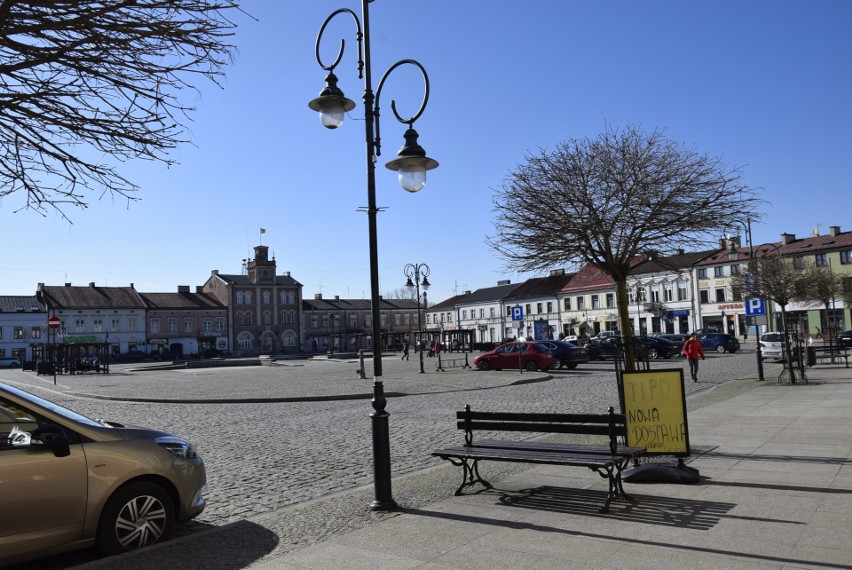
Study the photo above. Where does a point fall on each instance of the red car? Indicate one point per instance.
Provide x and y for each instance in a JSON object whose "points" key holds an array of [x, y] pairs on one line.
{"points": [[530, 356]]}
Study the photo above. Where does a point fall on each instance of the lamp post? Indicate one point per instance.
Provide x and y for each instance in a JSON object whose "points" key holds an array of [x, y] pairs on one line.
{"points": [[751, 269], [412, 164], [420, 272]]}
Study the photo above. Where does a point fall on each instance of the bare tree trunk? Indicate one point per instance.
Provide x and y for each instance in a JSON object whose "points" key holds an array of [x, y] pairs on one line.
{"points": [[624, 322]]}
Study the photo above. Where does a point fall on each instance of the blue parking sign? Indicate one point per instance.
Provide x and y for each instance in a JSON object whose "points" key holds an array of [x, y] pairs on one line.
{"points": [[755, 306], [517, 313]]}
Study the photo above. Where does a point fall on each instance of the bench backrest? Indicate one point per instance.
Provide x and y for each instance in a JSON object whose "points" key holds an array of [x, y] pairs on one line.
{"points": [[610, 424]]}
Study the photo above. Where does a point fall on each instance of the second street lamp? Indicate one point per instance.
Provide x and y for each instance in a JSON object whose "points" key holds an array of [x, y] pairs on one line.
{"points": [[415, 270], [412, 164]]}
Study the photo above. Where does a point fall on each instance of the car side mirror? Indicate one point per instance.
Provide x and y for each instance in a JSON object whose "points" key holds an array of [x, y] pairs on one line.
{"points": [[52, 437]]}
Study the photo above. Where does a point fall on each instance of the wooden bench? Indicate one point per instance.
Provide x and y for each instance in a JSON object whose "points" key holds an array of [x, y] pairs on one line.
{"points": [[608, 460]]}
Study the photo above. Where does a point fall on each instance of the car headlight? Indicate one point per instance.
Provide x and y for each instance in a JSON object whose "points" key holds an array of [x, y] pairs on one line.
{"points": [[179, 447]]}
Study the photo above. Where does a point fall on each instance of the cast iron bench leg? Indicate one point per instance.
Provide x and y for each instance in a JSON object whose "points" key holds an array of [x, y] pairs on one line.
{"points": [[470, 473]]}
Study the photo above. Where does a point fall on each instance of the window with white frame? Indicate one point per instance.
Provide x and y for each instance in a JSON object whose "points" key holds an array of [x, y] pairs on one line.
{"points": [[719, 271], [481, 313], [220, 324], [267, 317], [580, 303], [702, 273], [549, 307], [131, 324], [173, 325], [239, 297], [566, 303], [248, 318], [610, 300], [206, 325], [35, 332], [596, 302], [735, 269], [18, 333], [247, 296], [820, 260], [655, 293], [491, 312], [116, 323], [846, 257], [291, 298], [98, 325], [668, 292], [641, 294], [154, 325], [187, 325], [681, 291], [267, 298]]}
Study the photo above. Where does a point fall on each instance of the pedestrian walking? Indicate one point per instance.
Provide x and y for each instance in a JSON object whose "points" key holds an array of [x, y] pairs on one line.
{"points": [[405, 351], [692, 351]]}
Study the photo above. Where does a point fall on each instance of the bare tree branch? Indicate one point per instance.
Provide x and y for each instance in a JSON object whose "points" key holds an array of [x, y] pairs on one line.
{"points": [[86, 85]]}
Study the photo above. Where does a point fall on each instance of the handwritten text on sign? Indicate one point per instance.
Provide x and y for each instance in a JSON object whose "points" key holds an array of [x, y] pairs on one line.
{"points": [[655, 407]]}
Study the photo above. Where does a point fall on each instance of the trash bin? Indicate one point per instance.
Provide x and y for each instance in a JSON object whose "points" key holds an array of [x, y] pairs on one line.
{"points": [[810, 354]]}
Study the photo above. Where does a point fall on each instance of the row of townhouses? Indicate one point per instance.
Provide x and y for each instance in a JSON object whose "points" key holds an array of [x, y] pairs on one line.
{"points": [[262, 312], [679, 293]]}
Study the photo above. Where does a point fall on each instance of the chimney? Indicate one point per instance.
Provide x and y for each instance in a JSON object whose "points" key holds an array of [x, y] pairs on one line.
{"points": [[183, 288], [554, 272], [286, 274], [92, 284], [466, 292], [214, 272], [68, 284], [317, 296], [337, 297], [679, 251], [504, 282], [787, 238], [199, 288], [834, 230]]}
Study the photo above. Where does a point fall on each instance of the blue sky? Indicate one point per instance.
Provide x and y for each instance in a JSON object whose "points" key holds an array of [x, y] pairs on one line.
{"points": [[767, 85]]}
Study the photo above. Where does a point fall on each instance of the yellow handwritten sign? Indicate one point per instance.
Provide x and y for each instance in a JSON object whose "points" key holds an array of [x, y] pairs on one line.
{"points": [[655, 408]]}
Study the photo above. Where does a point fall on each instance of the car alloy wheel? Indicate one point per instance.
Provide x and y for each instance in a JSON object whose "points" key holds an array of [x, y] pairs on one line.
{"points": [[531, 366], [136, 516], [652, 353], [484, 365], [720, 349]]}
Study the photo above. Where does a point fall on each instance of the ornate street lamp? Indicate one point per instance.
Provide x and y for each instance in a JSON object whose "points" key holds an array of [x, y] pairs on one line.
{"points": [[412, 164], [416, 270]]}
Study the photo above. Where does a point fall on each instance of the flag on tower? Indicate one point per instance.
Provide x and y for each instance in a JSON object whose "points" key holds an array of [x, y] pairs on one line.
{"points": [[262, 230]]}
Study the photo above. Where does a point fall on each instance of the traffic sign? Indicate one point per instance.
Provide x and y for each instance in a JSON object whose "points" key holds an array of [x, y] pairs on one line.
{"points": [[755, 306], [517, 313], [54, 322]]}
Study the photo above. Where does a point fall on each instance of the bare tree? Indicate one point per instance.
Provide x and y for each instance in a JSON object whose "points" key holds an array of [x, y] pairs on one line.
{"points": [[605, 201], [401, 293], [780, 280], [88, 84], [823, 287]]}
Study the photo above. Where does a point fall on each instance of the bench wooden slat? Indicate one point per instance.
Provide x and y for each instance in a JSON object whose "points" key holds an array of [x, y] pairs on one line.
{"points": [[540, 417], [592, 461], [593, 429], [560, 447]]}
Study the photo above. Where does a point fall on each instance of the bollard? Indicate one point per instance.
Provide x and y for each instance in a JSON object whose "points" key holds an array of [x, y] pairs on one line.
{"points": [[360, 371]]}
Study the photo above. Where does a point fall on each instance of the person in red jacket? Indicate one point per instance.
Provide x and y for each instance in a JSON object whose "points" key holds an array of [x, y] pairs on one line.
{"points": [[692, 351]]}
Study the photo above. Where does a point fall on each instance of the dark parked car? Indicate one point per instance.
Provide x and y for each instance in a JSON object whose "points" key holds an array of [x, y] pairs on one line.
{"points": [[656, 347], [528, 355], [678, 339], [845, 339], [567, 355], [719, 342]]}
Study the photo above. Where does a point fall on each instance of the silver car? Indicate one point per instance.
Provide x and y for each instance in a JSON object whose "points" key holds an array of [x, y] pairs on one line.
{"points": [[772, 345], [71, 482]]}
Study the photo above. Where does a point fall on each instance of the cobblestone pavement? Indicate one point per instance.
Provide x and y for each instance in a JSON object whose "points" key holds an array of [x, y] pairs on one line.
{"points": [[262, 457]]}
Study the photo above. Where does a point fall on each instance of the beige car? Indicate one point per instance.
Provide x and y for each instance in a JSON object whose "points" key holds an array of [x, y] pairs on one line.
{"points": [[69, 482]]}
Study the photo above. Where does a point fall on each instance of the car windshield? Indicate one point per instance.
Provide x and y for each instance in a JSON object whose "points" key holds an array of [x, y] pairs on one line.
{"points": [[48, 405]]}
